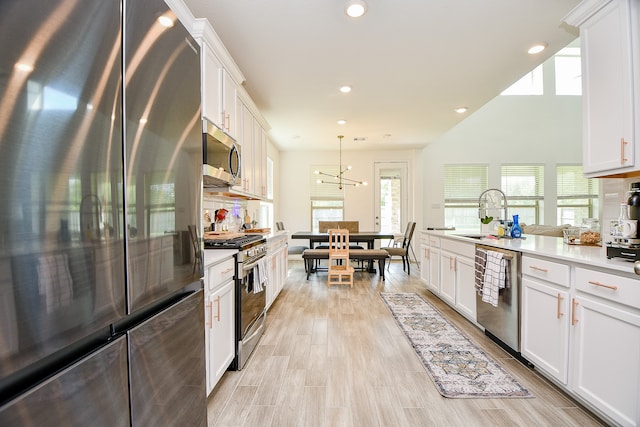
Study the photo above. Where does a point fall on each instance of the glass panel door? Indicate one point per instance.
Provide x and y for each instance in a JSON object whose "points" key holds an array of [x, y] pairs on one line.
{"points": [[391, 197]]}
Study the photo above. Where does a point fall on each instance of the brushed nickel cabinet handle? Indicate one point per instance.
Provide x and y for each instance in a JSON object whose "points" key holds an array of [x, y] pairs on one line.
{"points": [[602, 285], [560, 298], [574, 304], [533, 267]]}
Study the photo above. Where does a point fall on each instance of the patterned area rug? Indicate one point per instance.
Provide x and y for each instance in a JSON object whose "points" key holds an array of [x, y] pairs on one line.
{"points": [[458, 368]]}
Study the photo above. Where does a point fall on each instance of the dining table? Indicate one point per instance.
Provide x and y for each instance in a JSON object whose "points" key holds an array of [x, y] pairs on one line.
{"points": [[368, 237]]}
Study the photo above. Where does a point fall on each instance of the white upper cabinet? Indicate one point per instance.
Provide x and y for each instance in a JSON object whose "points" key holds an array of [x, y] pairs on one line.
{"points": [[211, 87], [220, 80], [609, 40], [219, 93]]}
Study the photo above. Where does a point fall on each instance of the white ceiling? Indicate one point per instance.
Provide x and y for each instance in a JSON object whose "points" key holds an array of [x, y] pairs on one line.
{"points": [[410, 63]]}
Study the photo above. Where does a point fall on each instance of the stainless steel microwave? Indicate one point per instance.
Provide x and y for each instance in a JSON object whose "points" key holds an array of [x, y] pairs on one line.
{"points": [[221, 157]]}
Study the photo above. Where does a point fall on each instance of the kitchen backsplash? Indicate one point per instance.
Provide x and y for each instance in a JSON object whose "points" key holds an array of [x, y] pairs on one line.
{"points": [[614, 192], [237, 211]]}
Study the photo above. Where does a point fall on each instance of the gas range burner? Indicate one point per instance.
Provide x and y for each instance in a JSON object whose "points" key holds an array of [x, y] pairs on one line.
{"points": [[239, 242]]}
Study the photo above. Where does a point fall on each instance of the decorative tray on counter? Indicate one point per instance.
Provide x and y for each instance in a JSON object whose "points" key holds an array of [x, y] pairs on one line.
{"points": [[258, 230]]}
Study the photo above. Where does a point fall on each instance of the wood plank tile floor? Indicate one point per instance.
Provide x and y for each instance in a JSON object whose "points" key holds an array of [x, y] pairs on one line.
{"points": [[335, 357]]}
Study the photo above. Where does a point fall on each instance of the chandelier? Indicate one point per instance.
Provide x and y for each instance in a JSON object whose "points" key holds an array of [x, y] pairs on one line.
{"points": [[340, 180]]}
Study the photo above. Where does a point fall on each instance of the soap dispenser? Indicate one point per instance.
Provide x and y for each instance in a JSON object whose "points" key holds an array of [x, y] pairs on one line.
{"points": [[516, 231]]}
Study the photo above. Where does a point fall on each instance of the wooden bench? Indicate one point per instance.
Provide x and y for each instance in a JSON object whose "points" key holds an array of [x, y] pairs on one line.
{"points": [[310, 256]]}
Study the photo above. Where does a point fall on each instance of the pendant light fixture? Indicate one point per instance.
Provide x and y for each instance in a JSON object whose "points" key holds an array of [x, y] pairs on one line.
{"points": [[339, 179]]}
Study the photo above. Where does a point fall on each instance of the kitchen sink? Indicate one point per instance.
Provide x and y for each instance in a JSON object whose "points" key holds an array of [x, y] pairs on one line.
{"points": [[473, 236]]}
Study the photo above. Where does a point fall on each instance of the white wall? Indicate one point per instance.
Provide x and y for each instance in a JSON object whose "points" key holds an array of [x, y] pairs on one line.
{"points": [[543, 129], [295, 185]]}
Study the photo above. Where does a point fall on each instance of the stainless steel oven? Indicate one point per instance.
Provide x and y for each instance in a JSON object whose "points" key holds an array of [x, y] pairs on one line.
{"points": [[251, 299]]}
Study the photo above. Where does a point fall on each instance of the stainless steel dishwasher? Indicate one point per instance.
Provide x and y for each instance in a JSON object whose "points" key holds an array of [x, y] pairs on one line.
{"points": [[502, 323]]}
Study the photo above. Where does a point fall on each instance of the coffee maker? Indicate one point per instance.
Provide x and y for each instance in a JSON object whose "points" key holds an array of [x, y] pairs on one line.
{"points": [[624, 231]]}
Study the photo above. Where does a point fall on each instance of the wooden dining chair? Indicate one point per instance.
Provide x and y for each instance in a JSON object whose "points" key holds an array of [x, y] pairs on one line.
{"points": [[339, 270]]}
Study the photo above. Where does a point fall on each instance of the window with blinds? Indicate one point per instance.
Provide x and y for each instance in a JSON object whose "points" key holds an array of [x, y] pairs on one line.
{"points": [[327, 200], [577, 195], [463, 184], [325, 191], [524, 187]]}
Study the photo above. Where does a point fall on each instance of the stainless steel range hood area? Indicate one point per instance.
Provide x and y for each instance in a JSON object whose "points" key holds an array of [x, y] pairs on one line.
{"points": [[221, 158]]}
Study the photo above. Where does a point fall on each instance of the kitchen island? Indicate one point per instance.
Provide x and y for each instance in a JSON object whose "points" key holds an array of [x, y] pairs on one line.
{"points": [[580, 313]]}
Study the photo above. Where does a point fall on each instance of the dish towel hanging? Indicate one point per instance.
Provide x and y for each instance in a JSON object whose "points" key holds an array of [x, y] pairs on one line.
{"points": [[480, 262], [261, 276], [495, 277]]}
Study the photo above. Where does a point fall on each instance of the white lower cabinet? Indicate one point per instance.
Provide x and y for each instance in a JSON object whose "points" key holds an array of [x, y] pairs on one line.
{"points": [[457, 276], [220, 341], [220, 330], [278, 264], [466, 287], [424, 263], [545, 327], [448, 277], [605, 344]]}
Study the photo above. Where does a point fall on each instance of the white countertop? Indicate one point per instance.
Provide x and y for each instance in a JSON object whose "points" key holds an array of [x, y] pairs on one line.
{"points": [[553, 247]]}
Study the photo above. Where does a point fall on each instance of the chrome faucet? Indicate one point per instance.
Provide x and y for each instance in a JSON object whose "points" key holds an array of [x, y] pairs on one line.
{"points": [[493, 199]]}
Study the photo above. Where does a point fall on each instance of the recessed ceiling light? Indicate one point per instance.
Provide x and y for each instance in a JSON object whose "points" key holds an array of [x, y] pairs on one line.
{"points": [[461, 110], [342, 122], [355, 8], [537, 48], [345, 89]]}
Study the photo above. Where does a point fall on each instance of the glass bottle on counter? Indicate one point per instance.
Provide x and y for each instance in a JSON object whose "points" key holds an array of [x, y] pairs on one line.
{"points": [[516, 230]]}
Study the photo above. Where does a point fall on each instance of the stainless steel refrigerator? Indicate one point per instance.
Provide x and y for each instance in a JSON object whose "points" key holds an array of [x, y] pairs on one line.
{"points": [[101, 305]]}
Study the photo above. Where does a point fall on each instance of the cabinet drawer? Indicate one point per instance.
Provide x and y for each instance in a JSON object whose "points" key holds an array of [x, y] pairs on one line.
{"points": [[465, 249], [612, 287], [220, 273], [547, 270], [434, 241]]}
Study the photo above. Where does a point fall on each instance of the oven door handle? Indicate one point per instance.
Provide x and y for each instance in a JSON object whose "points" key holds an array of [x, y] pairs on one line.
{"points": [[250, 266]]}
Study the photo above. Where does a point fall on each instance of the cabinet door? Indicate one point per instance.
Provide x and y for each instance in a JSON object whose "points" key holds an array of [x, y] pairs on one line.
{"points": [[211, 87], [607, 76], [424, 264], [220, 328], [448, 277], [545, 327], [605, 354], [259, 160], [247, 144], [434, 270], [229, 105], [465, 287]]}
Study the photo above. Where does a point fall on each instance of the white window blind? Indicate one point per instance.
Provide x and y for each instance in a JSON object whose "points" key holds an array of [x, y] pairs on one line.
{"points": [[464, 182], [573, 184], [524, 187], [577, 195], [325, 191], [523, 181]]}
